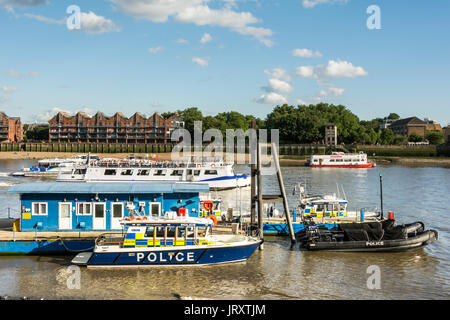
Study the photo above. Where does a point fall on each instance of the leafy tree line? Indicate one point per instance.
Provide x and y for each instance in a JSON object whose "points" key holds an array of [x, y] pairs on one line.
{"points": [[306, 124]]}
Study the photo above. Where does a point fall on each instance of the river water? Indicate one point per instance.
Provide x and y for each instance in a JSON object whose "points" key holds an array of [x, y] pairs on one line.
{"points": [[280, 271]]}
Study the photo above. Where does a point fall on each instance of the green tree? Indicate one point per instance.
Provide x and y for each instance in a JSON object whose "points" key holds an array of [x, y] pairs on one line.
{"points": [[387, 137], [435, 137], [393, 116], [414, 137], [189, 116], [400, 140]]}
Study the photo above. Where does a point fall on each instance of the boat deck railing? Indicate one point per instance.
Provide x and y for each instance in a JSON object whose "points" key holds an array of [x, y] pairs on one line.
{"points": [[110, 239]]}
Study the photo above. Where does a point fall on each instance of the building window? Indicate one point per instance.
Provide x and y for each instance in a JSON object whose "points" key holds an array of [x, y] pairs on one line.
{"points": [[39, 208], [84, 208]]}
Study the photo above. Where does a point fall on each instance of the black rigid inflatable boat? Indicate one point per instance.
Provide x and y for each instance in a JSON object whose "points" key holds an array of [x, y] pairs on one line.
{"points": [[370, 237]]}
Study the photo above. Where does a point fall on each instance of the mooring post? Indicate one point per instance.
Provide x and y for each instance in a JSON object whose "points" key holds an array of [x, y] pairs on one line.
{"points": [[381, 195], [260, 196], [283, 191], [253, 180]]}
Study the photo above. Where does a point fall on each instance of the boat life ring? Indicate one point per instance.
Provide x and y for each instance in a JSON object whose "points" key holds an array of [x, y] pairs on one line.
{"points": [[208, 205], [213, 165], [199, 165], [213, 218]]}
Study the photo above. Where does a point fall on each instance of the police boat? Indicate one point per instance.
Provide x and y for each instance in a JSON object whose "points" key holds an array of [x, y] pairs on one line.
{"points": [[368, 237], [167, 241]]}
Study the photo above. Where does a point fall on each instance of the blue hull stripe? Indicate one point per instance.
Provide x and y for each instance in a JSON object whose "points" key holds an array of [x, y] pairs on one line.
{"points": [[174, 257]]}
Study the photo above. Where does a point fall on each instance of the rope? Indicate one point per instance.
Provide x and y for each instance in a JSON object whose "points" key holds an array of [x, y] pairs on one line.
{"points": [[70, 250]]}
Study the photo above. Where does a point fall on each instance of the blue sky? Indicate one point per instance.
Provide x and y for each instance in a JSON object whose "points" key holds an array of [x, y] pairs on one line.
{"points": [[224, 55]]}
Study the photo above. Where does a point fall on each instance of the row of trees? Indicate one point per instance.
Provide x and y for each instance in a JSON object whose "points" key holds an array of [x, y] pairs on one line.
{"points": [[305, 124]]}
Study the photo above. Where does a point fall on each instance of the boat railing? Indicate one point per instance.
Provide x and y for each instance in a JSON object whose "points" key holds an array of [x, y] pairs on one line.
{"points": [[110, 239]]}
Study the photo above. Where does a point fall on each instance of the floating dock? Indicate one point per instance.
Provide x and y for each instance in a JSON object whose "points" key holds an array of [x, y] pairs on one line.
{"points": [[58, 243]]}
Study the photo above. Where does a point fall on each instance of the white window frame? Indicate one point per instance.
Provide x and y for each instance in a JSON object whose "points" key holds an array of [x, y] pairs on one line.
{"points": [[150, 208], [84, 214], [39, 206], [112, 209]]}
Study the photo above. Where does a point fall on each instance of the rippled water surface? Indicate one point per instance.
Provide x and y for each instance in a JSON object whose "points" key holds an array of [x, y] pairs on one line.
{"points": [[280, 271]]}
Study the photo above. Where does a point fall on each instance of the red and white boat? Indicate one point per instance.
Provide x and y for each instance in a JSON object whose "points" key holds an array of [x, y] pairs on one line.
{"points": [[340, 160]]}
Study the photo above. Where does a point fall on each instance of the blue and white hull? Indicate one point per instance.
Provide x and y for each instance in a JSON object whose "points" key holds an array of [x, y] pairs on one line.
{"points": [[169, 256]]}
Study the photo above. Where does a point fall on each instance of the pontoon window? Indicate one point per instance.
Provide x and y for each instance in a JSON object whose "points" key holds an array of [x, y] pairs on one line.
{"points": [[39, 208], [177, 173], [143, 172], [84, 208], [160, 173], [79, 171], [127, 172], [110, 172]]}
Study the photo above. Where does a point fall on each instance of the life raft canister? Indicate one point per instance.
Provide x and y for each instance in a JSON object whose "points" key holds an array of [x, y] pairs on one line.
{"points": [[213, 218], [181, 212], [208, 205]]}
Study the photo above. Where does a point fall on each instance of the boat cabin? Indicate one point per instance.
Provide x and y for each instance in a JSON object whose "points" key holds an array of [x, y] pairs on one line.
{"points": [[324, 207], [161, 232], [85, 206]]}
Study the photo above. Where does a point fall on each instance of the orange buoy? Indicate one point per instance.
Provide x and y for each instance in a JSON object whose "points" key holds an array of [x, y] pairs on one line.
{"points": [[213, 218], [208, 205]]}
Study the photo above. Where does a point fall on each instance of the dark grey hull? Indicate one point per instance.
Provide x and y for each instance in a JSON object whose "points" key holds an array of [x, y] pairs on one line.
{"points": [[415, 242]]}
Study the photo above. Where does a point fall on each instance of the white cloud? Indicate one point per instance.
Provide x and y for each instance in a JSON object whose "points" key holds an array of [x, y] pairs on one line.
{"points": [[92, 23], [334, 69], [343, 69], [306, 72], [44, 19], [201, 61], [306, 53], [279, 86], [206, 38], [272, 98], [279, 73], [313, 3], [155, 50], [10, 4], [333, 91], [8, 89], [17, 75], [182, 41], [48, 114], [301, 102], [197, 12]]}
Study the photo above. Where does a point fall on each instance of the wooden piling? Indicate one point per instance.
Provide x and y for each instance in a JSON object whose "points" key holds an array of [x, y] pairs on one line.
{"points": [[283, 192], [253, 182], [260, 195]]}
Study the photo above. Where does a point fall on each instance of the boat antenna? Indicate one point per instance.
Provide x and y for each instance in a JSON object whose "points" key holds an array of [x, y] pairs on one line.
{"points": [[381, 195], [337, 187], [343, 192]]}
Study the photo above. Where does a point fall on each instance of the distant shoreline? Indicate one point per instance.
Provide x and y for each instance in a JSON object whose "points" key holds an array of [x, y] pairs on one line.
{"points": [[284, 160]]}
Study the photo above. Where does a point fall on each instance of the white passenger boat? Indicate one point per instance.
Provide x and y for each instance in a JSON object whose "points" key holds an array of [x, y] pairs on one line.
{"points": [[217, 174], [340, 160], [168, 241], [51, 167]]}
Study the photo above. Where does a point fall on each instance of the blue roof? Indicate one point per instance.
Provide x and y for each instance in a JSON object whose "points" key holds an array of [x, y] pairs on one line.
{"points": [[109, 187]]}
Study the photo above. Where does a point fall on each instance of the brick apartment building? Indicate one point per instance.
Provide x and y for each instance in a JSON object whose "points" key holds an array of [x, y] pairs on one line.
{"points": [[115, 129], [408, 126], [11, 129]]}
